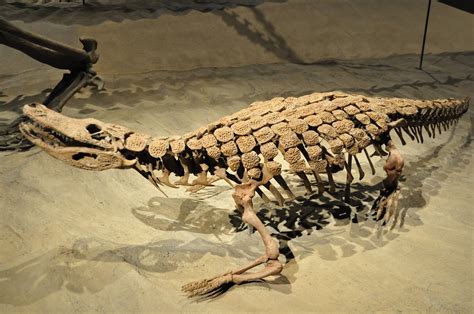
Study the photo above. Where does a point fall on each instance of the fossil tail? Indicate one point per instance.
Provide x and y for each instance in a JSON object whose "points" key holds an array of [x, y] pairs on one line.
{"points": [[433, 116]]}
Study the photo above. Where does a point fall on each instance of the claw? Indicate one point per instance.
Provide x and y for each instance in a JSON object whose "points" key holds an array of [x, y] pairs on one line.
{"points": [[203, 287], [396, 209], [388, 211], [387, 208], [380, 207]]}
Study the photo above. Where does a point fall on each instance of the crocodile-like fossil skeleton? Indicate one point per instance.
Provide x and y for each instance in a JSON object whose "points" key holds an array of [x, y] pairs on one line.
{"points": [[313, 135]]}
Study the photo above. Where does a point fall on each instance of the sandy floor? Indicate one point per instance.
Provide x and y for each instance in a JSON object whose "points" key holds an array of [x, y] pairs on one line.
{"points": [[79, 241]]}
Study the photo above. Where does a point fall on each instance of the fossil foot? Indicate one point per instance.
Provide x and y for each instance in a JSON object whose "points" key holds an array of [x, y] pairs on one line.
{"points": [[386, 207], [206, 286]]}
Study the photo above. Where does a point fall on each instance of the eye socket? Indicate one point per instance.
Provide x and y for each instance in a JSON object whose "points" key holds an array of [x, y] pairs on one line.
{"points": [[93, 128], [95, 132]]}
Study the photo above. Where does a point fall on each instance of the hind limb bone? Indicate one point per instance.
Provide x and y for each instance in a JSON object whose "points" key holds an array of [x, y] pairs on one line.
{"points": [[242, 196]]}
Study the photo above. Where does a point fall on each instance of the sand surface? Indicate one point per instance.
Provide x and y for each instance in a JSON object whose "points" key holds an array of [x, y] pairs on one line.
{"points": [[79, 241]]}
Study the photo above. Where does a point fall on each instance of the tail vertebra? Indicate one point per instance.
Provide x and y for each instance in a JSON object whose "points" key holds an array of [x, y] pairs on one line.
{"points": [[427, 114]]}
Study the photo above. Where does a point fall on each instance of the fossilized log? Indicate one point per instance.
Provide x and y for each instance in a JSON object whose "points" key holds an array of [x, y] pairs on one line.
{"points": [[78, 62]]}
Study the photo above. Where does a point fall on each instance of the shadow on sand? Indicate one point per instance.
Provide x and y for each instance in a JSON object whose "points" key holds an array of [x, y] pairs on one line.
{"points": [[267, 38], [16, 104], [91, 264]]}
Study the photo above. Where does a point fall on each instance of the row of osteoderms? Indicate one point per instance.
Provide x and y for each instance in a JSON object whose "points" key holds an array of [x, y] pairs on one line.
{"points": [[236, 149]]}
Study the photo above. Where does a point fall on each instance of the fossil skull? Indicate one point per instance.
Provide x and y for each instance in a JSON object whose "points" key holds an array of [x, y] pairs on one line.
{"points": [[83, 143]]}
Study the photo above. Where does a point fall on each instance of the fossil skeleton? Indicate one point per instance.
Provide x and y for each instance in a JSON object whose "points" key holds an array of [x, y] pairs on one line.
{"points": [[313, 135]]}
